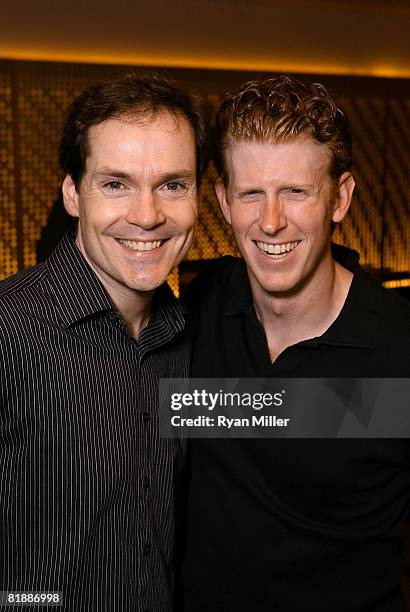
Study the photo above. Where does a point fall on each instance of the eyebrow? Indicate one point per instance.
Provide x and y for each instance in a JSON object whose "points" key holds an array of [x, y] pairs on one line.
{"points": [[250, 187], [182, 174], [177, 175]]}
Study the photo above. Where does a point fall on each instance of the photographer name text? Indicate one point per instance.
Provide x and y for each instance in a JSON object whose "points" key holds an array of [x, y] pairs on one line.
{"points": [[228, 423]]}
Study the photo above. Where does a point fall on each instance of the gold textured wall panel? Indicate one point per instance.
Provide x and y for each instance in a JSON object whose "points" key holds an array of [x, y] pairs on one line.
{"points": [[39, 125], [214, 236], [396, 246], [9, 263], [362, 228]]}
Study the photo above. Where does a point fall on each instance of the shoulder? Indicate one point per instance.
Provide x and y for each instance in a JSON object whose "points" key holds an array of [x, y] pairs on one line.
{"points": [[395, 313], [392, 312], [20, 292], [217, 275], [22, 281], [395, 310], [211, 290]]}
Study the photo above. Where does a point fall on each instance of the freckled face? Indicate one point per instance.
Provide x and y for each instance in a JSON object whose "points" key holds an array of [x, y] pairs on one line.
{"points": [[280, 202], [137, 201]]}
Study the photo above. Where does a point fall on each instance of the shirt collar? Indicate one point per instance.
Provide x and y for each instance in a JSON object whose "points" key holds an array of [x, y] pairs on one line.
{"points": [[78, 293], [359, 320], [167, 308], [357, 323]]}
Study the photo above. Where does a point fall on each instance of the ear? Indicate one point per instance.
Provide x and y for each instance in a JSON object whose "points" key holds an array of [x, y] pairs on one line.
{"points": [[70, 197], [343, 196], [221, 195]]}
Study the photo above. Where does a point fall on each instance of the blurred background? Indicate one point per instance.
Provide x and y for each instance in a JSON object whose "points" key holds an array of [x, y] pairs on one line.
{"points": [[49, 52]]}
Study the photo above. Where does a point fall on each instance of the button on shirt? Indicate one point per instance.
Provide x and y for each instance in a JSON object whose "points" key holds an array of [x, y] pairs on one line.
{"points": [[86, 483], [302, 525]]}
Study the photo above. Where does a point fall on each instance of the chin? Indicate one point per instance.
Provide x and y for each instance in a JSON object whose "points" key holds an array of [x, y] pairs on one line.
{"points": [[276, 286], [146, 286], [276, 289]]}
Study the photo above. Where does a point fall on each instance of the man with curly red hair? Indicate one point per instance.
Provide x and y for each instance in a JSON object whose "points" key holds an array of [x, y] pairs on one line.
{"points": [[306, 525]]}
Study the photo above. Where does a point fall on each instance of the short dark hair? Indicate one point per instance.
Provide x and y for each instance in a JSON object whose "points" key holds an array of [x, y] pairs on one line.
{"points": [[280, 109], [129, 96]]}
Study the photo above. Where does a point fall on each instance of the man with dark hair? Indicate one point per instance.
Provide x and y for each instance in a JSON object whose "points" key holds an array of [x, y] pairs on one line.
{"points": [[302, 525], [86, 483]]}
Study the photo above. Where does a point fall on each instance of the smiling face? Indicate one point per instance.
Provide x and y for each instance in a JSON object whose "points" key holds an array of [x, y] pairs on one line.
{"points": [[137, 201], [281, 202]]}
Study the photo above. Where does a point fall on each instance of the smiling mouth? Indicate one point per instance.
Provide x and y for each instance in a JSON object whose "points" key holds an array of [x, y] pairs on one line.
{"points": [[139, 245], [276, 251]]}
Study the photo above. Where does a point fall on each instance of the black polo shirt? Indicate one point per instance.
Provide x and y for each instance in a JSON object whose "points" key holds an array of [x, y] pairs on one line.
{"points": [[292, 524]]}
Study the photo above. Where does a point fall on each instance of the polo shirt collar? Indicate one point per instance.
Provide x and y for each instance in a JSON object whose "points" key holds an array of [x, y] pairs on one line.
{"points": [[359, 320]]}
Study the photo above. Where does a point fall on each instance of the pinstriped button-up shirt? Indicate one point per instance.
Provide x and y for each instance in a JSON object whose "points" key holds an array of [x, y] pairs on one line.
{"points": [[86, 483]]}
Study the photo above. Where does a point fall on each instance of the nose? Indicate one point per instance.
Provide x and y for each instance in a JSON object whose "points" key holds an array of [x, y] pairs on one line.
{"points": [[273, 216], [145, 211]]}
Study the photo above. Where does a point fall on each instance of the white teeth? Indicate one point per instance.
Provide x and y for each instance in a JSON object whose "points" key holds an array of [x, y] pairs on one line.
{"points": [[141, 246], [276, 249]]}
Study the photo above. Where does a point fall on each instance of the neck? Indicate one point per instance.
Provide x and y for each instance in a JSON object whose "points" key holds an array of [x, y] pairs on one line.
{"points": [[134, 306], [135, 313], [306, 313]]}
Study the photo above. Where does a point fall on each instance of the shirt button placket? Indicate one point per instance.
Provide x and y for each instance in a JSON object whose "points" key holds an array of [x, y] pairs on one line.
{"points": [[145, 483]]}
